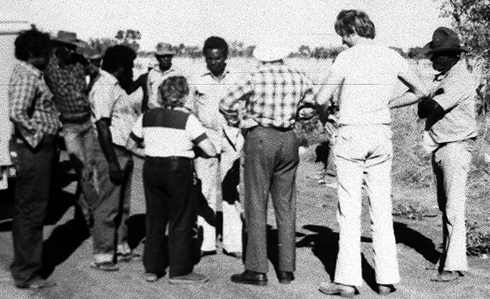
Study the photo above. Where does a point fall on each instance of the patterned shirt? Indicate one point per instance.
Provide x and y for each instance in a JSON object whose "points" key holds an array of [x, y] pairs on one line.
{"points": [[275, 93], [69, 87], [31, 106], [109, 100], [458, 101]]}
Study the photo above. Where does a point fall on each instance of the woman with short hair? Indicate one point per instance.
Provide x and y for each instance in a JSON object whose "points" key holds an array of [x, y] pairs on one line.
{"points": [[170, 134]]}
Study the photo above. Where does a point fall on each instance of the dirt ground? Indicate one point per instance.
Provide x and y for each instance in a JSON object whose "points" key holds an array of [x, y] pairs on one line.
{"points": [[317, 235]]}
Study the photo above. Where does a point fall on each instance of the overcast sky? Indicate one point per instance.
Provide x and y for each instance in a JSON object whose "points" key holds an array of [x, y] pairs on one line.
{"points": [[399, 23]]}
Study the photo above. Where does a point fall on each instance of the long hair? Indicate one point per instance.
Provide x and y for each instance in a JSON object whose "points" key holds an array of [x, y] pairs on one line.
{"points": [[173, 92], [354, 21]]}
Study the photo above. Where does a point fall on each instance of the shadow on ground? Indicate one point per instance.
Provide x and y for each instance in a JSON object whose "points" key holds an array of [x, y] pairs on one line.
{"points": [[417, 241]]}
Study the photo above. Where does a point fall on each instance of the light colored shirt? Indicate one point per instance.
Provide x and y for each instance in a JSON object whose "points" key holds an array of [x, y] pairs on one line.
{"points": [[458, 102], [31, 105], [208, 91], [369, 73], [168, 132], [109, 100], [275, 92], [155, 79]]}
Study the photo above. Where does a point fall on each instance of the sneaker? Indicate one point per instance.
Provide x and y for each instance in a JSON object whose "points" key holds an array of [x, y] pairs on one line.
{"points": [[338, 289], [447, 276], [188, 279], [150, 277], [36, 284], [386, 289], [104, 266]]}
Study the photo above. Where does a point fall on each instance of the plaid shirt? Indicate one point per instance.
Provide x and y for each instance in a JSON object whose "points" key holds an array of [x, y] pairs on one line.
{"points": [[27, 88], [275, 93], [69, 86]]}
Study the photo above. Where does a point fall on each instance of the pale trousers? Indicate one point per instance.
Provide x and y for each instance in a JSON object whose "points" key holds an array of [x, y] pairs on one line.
{"points": [[451, 163], [212, 172], [365, 153]]}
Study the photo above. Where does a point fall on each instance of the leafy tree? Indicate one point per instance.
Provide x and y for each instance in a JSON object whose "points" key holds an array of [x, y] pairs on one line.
{"points": [[471, 18], [129, 38]]}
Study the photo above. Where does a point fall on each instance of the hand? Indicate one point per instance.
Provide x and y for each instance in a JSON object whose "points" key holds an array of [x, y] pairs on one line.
{"points": [[306, 113], [115, 173]]}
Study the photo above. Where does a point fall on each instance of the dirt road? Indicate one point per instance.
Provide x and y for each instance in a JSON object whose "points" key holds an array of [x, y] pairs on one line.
{"points": [[317, 247]]}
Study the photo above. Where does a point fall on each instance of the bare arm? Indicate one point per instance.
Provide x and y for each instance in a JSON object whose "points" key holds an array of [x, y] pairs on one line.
{"points": [[417, 90], [207, 149]]}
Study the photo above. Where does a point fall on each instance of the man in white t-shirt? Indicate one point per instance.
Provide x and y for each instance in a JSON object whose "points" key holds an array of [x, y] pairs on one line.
{"points": [[365, 75]]}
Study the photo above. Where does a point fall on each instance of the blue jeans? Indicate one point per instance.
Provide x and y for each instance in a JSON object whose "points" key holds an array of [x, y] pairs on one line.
{"points": [[81, 143]]}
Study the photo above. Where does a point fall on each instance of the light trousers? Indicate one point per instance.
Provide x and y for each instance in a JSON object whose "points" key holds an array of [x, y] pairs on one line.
{"points": [[212, 173], [365, 153], [451, 164]]}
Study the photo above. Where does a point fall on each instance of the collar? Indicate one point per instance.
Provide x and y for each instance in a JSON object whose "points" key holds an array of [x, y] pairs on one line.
{"points": [[455, 69], [31, 69], [223, 76], [108, 77], [158, 70]]}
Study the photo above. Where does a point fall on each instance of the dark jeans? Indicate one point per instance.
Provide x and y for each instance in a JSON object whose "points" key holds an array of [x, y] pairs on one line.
{"points": [[168, 186], [34, 170]]}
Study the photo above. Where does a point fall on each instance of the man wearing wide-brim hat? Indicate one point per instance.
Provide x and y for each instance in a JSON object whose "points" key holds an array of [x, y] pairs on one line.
{"points": [[66, 78], [451, 129], [271, 96], [150, 81]]}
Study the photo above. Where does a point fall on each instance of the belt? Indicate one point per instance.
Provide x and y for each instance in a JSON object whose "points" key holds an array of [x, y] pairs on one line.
{"points": [[75, 118], [464, 140]]}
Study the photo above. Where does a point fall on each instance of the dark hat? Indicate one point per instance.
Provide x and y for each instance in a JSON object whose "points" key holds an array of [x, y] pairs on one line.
{"points": [[444, 40], [69, 38]]}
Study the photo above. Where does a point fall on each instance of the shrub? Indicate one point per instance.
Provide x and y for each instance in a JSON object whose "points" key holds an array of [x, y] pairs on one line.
{"points": [[477, 242]]}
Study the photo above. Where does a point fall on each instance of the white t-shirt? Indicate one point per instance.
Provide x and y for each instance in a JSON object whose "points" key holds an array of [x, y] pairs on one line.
{"points": [[369, 73]]}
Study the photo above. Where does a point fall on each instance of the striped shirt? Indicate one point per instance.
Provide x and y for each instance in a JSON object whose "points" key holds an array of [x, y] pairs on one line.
{"points": [[27, 88], [69, 87], [168, 132], [275, 93]]}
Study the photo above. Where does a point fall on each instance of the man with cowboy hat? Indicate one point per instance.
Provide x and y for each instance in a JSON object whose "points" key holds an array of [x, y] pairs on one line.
{"points": [[271, 95], [451, 129], [66, 78], [150, 81]]}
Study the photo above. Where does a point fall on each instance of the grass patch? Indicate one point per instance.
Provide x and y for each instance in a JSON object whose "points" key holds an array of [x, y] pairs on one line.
{"points": [[477, 242]]}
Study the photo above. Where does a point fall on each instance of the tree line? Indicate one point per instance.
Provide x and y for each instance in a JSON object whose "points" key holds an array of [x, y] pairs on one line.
{"points": [[131, 37]]}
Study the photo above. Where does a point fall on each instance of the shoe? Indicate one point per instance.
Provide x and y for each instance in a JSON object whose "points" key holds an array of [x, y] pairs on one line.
{"points": [[207, 252], [338, 289], [250, 277], [446, 276], [285, 277], [36, 284], [235, 254], [104, 266], [386, 289], [127, 257], [151, 277], [188, 279]]}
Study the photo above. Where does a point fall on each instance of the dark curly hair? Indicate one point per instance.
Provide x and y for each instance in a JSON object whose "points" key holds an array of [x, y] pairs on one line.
{"points": [[117, 56], [354, 21], [216, 42], [32, 43], [173, 92]]}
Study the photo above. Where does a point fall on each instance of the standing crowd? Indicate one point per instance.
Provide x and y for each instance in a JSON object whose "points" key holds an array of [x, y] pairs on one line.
{"points": [[197, 132]]}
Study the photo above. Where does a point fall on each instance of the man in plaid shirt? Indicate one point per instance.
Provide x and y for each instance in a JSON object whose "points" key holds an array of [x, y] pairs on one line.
{"points": [[272, 95], [66, 77], [36, 124]]}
